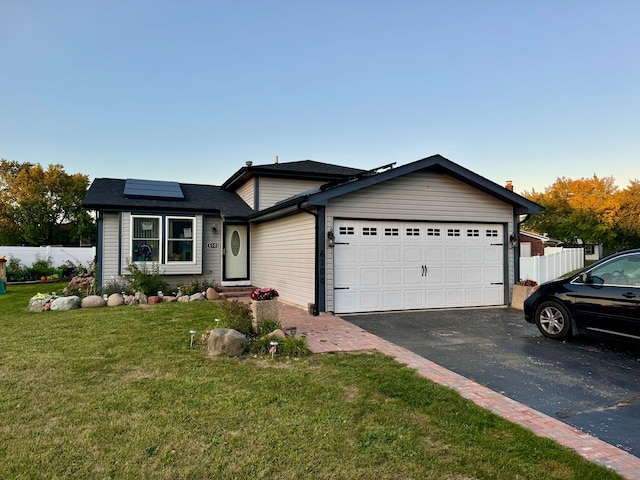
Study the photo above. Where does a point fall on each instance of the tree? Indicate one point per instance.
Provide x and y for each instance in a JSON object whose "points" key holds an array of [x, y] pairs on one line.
{"points": [[42, 207], [585, 209], [628, 216]]}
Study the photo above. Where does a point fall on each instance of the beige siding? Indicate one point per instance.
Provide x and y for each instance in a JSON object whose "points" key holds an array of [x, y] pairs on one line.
{"points": [[110, 246], [424, 196], [274, 190], [246, 193], [283, 257]]}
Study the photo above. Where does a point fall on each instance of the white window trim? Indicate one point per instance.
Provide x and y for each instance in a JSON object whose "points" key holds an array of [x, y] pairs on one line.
{"points": [[193, 240], [132, 239]]}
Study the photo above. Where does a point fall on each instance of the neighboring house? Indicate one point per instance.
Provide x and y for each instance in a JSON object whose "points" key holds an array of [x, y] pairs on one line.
{"points": [[533, 244], [428, 234]]}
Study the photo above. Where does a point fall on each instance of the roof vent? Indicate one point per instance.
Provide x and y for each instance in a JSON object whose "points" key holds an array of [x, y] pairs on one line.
{"points": [[249, 163], [509, 185]]}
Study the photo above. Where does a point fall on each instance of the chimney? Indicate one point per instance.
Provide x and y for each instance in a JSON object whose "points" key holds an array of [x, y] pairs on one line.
{"points": [[249, 163], [276, 159], [509, 185]]}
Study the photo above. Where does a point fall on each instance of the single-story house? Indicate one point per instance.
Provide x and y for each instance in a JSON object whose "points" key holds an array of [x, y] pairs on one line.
{"points": [[533, 244], [428, 234]]}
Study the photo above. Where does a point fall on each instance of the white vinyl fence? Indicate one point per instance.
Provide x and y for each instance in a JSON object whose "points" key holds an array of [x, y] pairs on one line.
{"points": [[59, 255], [555, 262]]}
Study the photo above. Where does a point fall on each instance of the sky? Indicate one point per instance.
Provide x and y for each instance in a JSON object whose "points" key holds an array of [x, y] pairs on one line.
{"points": [[190, 90]]}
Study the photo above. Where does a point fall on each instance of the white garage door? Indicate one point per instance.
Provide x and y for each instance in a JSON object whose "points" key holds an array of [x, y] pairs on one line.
{"points": [[381, 266]]}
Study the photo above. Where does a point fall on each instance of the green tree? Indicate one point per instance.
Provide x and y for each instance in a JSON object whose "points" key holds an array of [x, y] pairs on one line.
{"points": [[42, 207]]}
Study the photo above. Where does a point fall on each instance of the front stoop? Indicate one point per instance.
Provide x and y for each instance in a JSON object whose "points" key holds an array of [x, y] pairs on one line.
{"points": [[236, 292]]}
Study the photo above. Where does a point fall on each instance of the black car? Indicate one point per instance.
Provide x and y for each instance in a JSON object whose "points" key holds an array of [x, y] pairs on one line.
{"points": [[602, 299]]}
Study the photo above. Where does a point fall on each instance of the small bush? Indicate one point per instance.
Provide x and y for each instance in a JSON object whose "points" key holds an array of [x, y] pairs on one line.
{"points": [[117, 285], [81, 285], [147, 280], [197, 285], [16, 271], [292, 347], [237, 316], [527, 283], [265, 327]]}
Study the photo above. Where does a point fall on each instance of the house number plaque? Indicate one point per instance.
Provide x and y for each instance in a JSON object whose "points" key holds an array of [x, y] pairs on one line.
{"points": [[212, 245]]}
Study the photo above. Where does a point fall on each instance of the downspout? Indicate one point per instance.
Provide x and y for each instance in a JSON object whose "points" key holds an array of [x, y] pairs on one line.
{"points": [[516, 249], [320, 258]]}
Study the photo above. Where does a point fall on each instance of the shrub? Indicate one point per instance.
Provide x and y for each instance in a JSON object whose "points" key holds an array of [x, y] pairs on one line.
{"points": [[265, 327], [292, 347], [527, 283], [42, 267], [145, 279], [16, 271], [237, 316], [81, 285], [197, 285], [117, 285]]}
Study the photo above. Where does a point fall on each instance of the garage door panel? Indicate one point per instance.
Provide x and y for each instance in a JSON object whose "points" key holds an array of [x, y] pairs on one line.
{"points": [[370, 254], [392, 254], [454, 254], [409, 265], [370, 277], [392, 277]]}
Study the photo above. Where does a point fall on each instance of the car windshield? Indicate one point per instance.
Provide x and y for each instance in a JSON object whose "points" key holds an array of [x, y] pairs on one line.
{"points": [[624, 270]]}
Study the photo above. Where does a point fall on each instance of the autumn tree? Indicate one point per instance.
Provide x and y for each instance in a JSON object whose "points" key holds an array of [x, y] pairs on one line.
{"points": [[42, 207], [590, 209], [577, 209]]}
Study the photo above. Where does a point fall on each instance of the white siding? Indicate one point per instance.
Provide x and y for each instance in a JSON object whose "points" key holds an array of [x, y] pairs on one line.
{"points": [[110, 244], [274, 190], [424, 196], [246, 193], [283, 257]]}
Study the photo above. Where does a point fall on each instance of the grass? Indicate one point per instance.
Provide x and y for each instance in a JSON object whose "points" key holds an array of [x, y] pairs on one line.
{"points": [[117, 393]]}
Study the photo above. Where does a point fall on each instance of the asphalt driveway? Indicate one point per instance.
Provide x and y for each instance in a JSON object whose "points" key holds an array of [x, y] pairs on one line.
{"points": [[589, 384]]}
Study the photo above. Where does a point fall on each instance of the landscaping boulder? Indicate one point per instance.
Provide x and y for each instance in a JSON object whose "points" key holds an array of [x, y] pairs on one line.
{"points": [[93, 301], [196, 297], [153, 299], [226, 342], [37, 304], [183, 298], [168, 299], [212, 294], [115, 300], [130, 300], [66, 303], [141, 298]]}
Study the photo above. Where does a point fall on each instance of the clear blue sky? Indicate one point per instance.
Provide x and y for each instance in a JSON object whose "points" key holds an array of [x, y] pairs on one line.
{"points": [[190, 90]]}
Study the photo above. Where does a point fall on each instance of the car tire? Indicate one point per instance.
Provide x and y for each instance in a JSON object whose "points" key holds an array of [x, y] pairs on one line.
{"points": [[553, 320]]}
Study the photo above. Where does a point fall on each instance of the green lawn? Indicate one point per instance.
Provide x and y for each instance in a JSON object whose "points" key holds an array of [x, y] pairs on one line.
{"points": [[117, 393]]}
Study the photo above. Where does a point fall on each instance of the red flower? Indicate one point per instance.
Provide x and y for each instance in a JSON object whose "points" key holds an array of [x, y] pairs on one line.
{"points": [[264, 294]]}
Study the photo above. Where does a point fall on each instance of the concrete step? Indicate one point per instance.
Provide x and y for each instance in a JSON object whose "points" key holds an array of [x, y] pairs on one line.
{"points": [[236, 292]]}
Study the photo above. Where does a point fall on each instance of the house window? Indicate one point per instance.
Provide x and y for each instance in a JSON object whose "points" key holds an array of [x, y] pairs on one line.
{"points": [[153, 241], [180, 238], [145, 239], [589, 249]]}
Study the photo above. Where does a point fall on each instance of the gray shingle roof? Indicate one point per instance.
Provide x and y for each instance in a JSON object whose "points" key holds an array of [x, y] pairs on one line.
{"points": [[108, 194], [303, 169]]}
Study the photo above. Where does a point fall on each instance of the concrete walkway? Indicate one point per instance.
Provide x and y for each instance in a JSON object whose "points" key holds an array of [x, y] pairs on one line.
{"points": [[328, 333]]}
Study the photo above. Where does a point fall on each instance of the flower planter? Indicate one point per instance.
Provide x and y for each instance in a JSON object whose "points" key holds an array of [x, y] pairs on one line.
{"points": [[519, 295], [264, 310]]}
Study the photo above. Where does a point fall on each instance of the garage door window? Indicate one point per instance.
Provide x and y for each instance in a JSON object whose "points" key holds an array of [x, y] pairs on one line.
{"points": [[453, 232], [433, 232], [473, 233], [369, 231], [346, 231], [413, 232], [492, 233]]}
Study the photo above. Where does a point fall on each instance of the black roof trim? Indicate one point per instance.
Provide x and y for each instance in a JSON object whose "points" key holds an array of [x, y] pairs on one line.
{"points": [[301, 170]]}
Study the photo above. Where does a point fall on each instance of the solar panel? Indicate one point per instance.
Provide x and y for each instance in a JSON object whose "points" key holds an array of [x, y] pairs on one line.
{"points": [[153, 189]]}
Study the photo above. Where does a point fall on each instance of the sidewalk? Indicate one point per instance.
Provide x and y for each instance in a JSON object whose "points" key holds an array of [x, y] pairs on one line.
{"points": [[328, 333]]}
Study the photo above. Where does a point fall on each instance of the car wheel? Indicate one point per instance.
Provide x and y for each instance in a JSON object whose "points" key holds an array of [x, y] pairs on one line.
{"points": [[553, 320]]}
